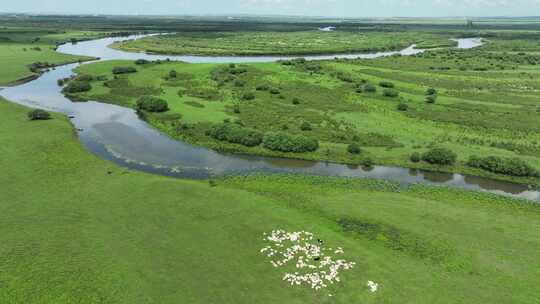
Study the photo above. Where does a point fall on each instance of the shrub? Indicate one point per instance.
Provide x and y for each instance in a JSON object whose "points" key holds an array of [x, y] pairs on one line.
{"points": [[152, 104], [77, 87], [402, 106], [141, 61], [501, 165], [279, 141], [39, 114], [440, 156], [237, 134], [123, 70], [172, 74], [386, 84], [416, 157], [263, 87], [431, 98], [248, 96], [274, 91], [368, 162], [84, 78], [236, 71], [431, 91], [306, 126], [239, 83], [296, 101], [354, 148], [390, 93], [344, 77], [236, 109], [369, 88]]}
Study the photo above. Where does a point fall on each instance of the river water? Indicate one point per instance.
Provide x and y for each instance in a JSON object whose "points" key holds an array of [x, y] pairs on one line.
{"points": [[117, 134]]}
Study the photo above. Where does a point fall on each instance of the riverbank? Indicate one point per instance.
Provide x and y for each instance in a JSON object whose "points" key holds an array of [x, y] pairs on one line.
{"points": [[337, 114], [116, 134], [93, 232], [24, 53]]}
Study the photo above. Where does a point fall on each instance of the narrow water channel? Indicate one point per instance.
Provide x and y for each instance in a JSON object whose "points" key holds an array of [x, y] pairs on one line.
{"points": [[117, 134]]}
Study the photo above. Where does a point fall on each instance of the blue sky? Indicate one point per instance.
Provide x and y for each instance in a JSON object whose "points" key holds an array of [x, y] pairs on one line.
{"points": [[341, 8]]}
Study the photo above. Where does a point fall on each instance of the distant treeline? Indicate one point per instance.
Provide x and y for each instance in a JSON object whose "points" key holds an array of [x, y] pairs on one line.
{"points": [[212, 24]]}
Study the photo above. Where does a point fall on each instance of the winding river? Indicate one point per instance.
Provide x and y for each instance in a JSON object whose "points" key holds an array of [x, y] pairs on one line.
{"points": [[117, 134]]}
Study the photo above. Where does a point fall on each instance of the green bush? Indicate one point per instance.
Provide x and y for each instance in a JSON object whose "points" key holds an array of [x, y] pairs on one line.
{"points": [[416, 157], [263, 87], [354, 148], [390, 93], [239, 83], [172, 74], [141, 61], [306, 126], [237, 134], [77, 87], [279, 141], [402, 107], [152, 104], [502, 165], [431, 91], [368, 162], [440, 156], [237, 71], [386, 84], [274, 91], [123, 70], [248, 96], [296, 101], [369, 88], [431, 98], [39, 114], [84, 78], [344, 77]]}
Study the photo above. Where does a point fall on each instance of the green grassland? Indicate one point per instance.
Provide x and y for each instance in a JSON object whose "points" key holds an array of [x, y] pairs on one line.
{"points": [[77, 229], [488, 104], [22, 47], [282, 43], [512, 41]]}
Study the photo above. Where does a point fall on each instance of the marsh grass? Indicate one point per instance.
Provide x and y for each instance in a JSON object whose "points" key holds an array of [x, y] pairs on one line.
{"points": [[475, 112]]}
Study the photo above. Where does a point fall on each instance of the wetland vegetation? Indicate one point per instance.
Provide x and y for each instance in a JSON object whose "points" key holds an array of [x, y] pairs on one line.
{"points": [[25, 52], [471, 102], [282, 43]]}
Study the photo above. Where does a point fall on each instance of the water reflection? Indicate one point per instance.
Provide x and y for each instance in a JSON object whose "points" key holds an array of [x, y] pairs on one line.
{"points": [[438, 177]]}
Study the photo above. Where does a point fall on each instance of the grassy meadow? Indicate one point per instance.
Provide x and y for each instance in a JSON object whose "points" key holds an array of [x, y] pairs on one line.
{"points": [[282, 43], [130, 237], [23, 51], [487, 104]]}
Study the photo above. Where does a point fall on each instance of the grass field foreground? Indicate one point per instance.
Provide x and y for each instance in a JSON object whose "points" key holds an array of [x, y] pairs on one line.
{"points": [[77, 229]]}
